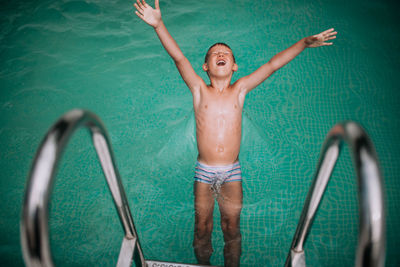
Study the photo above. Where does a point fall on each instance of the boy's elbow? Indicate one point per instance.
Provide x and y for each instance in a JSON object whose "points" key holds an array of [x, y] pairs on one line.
{"points": [[272, 66], [180, 60]]}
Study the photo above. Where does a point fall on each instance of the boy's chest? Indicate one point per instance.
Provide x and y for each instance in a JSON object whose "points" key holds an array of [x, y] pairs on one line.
{"points": [[219, 103]]}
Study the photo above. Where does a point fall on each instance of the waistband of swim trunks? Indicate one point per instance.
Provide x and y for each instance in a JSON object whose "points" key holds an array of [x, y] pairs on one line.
{"points": [[219, 167]]}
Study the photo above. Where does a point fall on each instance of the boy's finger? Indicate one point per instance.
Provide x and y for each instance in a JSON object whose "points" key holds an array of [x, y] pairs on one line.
{"points": [[138, 7], [140, 4], [157, 4], [139, 15], [329, 30], [145, 4]]}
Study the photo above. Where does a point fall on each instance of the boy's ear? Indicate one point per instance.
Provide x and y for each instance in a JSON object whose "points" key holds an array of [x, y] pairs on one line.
{"points": [[205, 67], [235, 67]]}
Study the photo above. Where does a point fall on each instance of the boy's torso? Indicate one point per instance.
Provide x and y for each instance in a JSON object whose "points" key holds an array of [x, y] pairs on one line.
{"points": [[218, 124]]}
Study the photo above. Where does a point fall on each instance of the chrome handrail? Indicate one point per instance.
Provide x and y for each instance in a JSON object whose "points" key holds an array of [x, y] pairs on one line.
{"points": [[34, 222], [372, 228]]}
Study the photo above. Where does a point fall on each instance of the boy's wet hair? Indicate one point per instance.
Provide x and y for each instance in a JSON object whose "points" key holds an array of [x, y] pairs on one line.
{"points": [[223, 44]]}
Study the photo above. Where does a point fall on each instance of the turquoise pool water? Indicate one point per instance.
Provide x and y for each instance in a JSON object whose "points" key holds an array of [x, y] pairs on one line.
{"points": [[97, 55]]}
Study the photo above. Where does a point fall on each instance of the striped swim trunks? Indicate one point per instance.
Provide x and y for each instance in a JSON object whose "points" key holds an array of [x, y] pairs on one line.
{"points": [[217, 175]]}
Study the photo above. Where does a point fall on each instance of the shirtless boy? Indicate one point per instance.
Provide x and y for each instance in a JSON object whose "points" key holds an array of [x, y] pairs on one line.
{"points": [[218, 112]]}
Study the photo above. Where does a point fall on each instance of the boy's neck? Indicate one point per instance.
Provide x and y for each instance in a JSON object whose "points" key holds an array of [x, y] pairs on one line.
{"points": [[220, 84]]}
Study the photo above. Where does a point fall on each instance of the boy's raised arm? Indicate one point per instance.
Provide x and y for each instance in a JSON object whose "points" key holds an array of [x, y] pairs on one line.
{"points": [[153, 18], [251, 81]]}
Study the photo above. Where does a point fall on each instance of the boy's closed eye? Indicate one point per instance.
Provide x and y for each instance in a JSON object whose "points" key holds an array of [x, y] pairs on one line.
{"points": [[221, 52]]}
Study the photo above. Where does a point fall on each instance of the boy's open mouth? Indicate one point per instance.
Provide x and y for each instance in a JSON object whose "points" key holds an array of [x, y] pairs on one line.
{"points": [[221, 62]]}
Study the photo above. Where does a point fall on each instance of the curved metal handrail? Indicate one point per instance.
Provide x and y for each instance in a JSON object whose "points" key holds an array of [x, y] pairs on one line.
{"points": [[34, 223], [372, 232]]}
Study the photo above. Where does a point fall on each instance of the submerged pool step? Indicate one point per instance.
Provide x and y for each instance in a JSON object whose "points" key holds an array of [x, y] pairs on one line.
{"points": [[173, 264]]}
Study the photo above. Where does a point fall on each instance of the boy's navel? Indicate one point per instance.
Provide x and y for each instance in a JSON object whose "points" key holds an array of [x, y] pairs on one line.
{"points": [[220, 148]]}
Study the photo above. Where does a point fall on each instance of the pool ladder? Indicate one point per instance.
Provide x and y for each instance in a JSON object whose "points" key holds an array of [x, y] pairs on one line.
{"points": [[34, 222]]}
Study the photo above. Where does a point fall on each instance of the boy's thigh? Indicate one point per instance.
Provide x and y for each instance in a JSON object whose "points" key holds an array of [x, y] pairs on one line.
{"points": [[203, 201], [231, 199]]}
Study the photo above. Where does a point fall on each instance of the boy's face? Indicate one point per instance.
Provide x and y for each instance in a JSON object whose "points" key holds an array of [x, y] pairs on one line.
{"points": [[220, 61]]}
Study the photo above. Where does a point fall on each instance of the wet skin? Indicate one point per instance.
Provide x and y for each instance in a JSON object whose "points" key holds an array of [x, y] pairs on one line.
{"points": [[218, 111], [218, 126]]}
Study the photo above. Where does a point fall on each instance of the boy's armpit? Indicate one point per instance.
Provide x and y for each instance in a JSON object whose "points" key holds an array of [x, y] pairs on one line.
{"points": [[242, 85], [251, 81], [190, 77]]}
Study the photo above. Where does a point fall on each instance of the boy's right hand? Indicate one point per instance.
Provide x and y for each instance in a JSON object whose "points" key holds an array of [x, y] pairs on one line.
{"points": [[147, 13]]}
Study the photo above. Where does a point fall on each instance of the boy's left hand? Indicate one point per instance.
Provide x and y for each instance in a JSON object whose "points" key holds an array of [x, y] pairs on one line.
{"points": [[321, 38]]}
